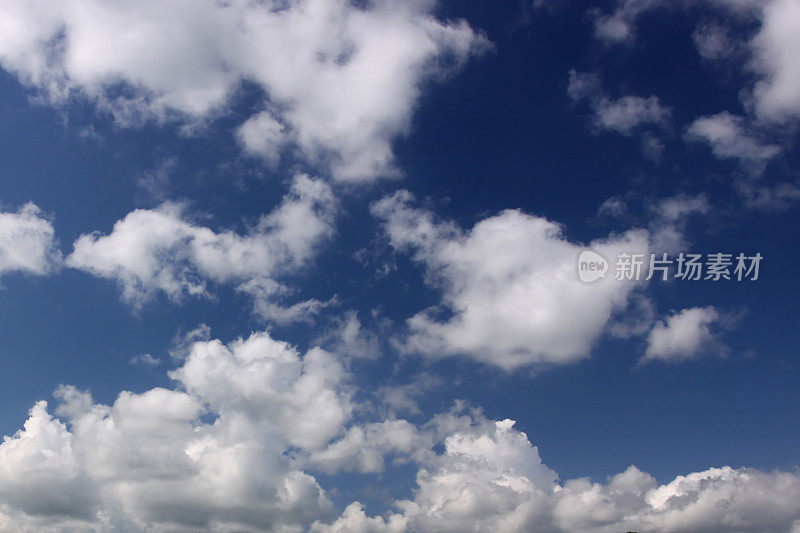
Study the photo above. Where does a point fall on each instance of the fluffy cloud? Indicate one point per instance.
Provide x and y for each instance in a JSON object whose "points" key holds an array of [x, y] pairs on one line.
{"points": [[150, 460], [27, 242], [773, 49], [760, 38], [234, 447], [629, 112], [729, 139], [160, 249], [509, 284], [671, 216], [620, 25], [777, 95], [685, 335], [490, 478], [714, 42], [624, 115], [339, 79]]}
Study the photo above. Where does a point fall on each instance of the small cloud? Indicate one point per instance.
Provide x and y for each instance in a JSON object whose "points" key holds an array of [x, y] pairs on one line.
{"points": [[183, 342], [731, 138], [155, 182], [145, 359], [685, 335], [627, 115]]}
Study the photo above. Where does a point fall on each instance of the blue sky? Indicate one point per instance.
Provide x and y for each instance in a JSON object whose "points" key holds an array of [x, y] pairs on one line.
{"points": [[292, 266]]}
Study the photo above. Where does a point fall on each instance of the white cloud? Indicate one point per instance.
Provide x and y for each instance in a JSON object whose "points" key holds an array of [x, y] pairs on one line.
{"points": [[27, 242], [347, 337], [729, 139], [510, 284], [767, 60], [339, 80], [672, 215], [263, 136], [145, 359], [404, 398], [160, 249], [772, 51], [625, 115], [619, 26], [149, 462], [365, 447], [231, 448], [42, 455], [685, 335], [714, 42], [776, 197], [776, 47], [490, 478]]}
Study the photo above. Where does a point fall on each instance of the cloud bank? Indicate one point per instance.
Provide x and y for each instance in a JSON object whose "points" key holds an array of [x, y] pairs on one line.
{"points": [[236, 445]]}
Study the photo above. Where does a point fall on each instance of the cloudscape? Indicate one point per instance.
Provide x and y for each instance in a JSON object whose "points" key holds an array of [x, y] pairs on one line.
{"points": [[382, 266]]}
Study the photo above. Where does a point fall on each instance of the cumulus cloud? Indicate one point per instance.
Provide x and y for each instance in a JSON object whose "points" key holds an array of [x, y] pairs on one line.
{"points": [[27, 242], [348, 337], [149, 461], [671, 216], [714, 42], [511, 296], [776, 46], [619, 25], [235, 445], [490, 478], [729, 138], [772, 50], [626, 115], [683, 336], [775, 197], [145, 359], [629, 112], [339, 79], [760, 38], [162, 250]]}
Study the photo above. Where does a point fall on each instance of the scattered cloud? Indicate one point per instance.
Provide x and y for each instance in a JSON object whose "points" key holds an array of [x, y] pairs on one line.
{"points": [[768, 197], [145, 359], [348, 337], [685, 335], [670, 218], [772, 50], [775, 49], [405, 398], [729, 138], [715, 43], [626, 115], [511, 296], [162, 250], [619, 25], [27, 242], [155, 183]]}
